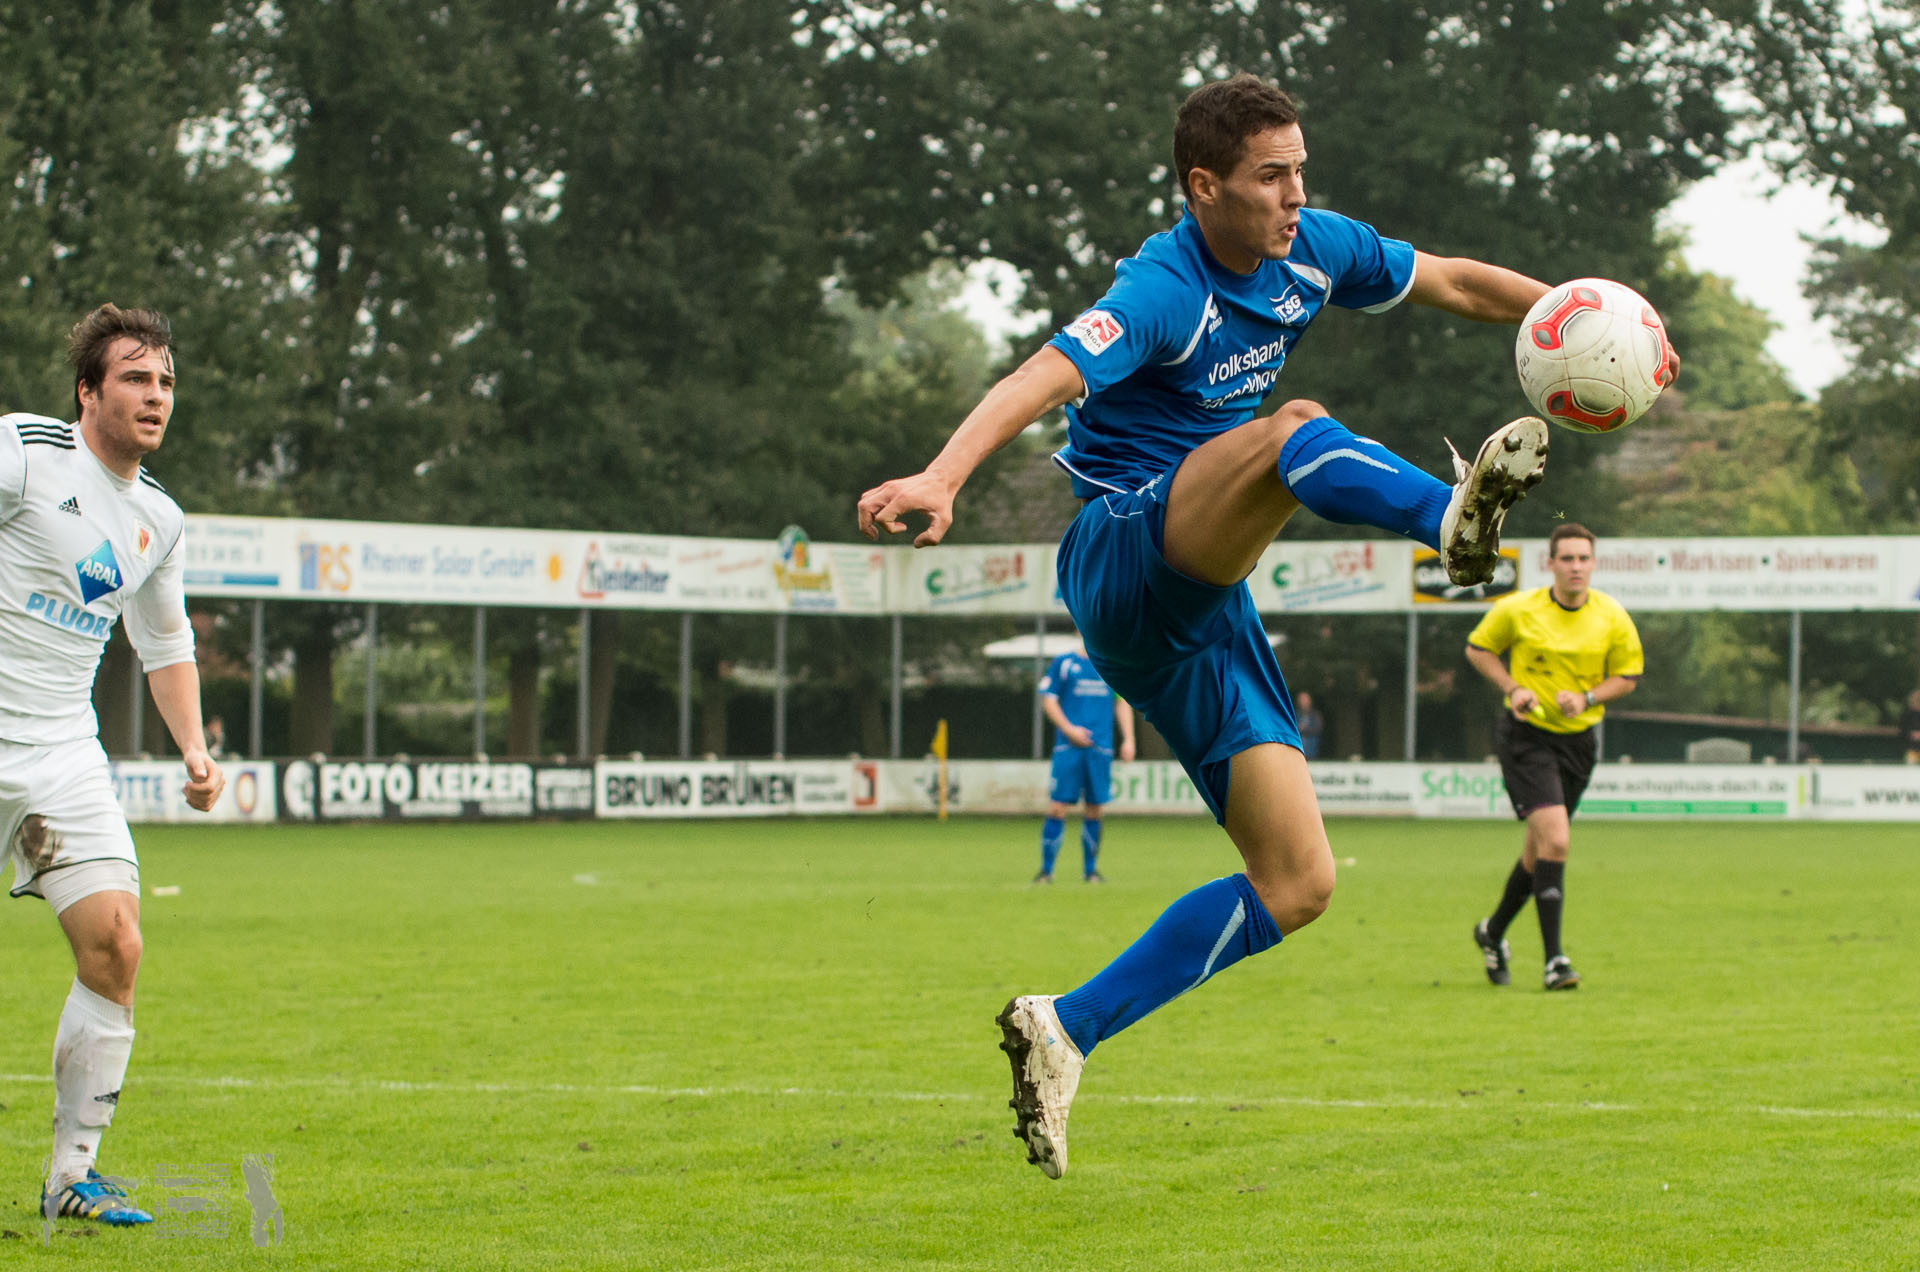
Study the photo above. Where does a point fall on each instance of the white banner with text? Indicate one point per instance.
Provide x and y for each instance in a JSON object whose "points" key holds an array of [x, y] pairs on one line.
{"points": [[296, 559]]}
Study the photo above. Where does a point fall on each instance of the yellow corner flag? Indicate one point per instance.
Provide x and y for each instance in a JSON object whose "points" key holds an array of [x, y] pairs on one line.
{"points": [[940, 754]]}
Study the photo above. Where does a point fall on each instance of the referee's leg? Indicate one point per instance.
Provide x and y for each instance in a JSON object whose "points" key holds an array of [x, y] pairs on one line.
{"points": [[1549, 836]]}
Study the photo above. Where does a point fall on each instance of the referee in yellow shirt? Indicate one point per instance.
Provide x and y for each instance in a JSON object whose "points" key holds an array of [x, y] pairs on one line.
{"points": [[1557, 653]]}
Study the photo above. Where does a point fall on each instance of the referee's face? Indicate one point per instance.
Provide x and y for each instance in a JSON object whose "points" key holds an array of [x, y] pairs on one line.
{"points": [[1572, 566]]}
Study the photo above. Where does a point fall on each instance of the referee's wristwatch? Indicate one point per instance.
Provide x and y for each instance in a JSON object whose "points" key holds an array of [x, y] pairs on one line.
{"points": [[1591, 700]]}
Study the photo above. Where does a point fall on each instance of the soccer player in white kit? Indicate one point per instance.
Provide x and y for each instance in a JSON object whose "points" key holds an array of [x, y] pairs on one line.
{"points": [[86, 538]]}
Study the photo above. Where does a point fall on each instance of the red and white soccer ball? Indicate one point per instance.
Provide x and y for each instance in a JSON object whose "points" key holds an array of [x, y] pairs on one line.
{"points": [[1592, 355]]}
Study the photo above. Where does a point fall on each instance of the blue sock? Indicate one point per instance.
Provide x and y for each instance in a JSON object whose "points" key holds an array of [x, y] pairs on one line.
{"points": [[1357, 481], [1050, 832], [1089, 844], [1212, 927]]}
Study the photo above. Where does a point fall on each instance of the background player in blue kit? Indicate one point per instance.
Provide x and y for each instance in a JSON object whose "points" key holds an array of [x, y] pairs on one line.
{"points": [[1085, 715], [1184, 488]]}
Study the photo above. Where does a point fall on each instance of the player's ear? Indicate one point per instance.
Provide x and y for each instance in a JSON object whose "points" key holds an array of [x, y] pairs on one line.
{"points": [[1203, 185]]}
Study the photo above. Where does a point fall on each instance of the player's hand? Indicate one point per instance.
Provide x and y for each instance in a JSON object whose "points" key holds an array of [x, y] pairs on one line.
{"points": [[1522, 702], [1570, 703], [205, 781], [1673, 363], [1126, 752], [1079, 735], [887, 503]]}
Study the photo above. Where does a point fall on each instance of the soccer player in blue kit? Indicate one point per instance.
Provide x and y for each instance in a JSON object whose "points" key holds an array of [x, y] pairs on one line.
{"points": [[1086, 713], [1184, 488]]}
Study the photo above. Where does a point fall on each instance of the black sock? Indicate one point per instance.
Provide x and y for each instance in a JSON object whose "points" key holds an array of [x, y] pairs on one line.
{"points": [[1512, 901], [1548, 892]]}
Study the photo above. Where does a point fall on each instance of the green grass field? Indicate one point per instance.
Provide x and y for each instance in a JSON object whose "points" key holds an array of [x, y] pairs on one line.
{"points": [[771, 1045]]}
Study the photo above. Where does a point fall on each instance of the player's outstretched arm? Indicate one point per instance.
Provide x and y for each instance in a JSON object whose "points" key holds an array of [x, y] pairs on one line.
{"points": [[1123, 718], [1484, 293], [176, 691], [1473, 289], [1046, 380]]}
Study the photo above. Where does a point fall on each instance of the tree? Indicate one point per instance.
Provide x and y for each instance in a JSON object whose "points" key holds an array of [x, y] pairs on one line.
{"points": [[117, 189], [1841, 87]]}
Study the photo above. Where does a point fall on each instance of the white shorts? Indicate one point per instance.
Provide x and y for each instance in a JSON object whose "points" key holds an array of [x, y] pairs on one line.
{"points": [[57, 812]]}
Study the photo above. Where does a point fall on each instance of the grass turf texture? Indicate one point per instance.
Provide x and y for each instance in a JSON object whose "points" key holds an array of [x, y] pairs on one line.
{"points": [[771, 1045]]}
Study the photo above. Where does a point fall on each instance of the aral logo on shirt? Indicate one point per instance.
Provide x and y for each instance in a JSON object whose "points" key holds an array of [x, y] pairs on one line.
{"points": [[1095, 330], [99, 573]]}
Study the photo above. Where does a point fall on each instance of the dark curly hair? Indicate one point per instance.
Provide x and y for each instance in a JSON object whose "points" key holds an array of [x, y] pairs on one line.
{"points": [[92, 336], [1215, 121]]}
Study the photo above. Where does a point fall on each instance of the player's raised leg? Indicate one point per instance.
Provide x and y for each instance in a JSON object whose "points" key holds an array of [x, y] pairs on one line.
{"points": [[1234, 493]]}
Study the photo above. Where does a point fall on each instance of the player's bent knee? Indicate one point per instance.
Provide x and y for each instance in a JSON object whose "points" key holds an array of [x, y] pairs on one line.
{"points": [[1299, 898], [1279, 426], [1293, 414]]}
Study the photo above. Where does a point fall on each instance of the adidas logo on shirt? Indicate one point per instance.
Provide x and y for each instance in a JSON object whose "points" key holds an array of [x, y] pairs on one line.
{"points": [[72, 505]]}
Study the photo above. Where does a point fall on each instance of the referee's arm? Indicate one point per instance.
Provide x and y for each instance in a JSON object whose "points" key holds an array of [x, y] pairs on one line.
{"points": [[1520, 699], [1612, 688]]}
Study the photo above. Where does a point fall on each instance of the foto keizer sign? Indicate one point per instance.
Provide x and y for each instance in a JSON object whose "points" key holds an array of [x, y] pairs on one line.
{"points": [[465, 789]]}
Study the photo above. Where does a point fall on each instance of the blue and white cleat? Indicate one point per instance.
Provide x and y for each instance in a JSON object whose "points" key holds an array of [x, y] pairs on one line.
{"points": [[96, 1197], [1046, 1073]]}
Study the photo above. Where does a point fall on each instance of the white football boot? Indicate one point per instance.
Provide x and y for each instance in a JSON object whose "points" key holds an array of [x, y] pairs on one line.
{"points": [[1509, 464], [1046, 1072]]}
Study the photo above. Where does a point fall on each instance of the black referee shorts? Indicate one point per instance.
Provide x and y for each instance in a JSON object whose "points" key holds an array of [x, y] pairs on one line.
{"points": [[1543, 768]]}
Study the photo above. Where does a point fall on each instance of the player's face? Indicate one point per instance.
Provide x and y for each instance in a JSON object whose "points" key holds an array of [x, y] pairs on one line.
{"points": [[128, 417], [1572, 566], [1254, 212]]}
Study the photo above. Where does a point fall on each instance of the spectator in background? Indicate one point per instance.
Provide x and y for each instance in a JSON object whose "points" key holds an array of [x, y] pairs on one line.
{"points": [[1311, 723], [1910, 727], [216, 737]]}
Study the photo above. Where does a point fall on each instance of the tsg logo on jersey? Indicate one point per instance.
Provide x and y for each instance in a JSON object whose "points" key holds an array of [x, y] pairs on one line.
{"points": [[1095, 330], [1289, 308], [99, 573]]}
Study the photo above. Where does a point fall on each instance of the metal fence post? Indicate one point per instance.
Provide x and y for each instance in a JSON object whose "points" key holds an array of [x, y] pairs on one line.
{"points": [[257, 681], [368, 731]]}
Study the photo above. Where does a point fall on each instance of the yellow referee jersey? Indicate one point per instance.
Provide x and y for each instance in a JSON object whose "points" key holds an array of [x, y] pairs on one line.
{"points": [[1550, 648]]}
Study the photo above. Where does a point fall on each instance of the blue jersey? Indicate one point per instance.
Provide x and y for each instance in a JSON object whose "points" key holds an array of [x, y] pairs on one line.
{"points": [[1084, 698], [1182, 349]]}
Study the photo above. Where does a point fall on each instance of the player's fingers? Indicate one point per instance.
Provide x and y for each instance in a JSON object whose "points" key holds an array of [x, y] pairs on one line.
{"points": [[937, 526], [870, 503]]}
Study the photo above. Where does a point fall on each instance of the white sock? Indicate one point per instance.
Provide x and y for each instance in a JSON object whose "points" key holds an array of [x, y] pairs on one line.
{"points": [[90, 1053]]}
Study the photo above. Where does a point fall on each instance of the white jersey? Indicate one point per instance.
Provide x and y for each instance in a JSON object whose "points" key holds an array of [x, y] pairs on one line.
{"points": [[79, 547]]}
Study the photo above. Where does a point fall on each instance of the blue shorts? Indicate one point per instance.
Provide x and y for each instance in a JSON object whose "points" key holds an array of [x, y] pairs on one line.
{"points": [[1192, 657], [1081, 772]]}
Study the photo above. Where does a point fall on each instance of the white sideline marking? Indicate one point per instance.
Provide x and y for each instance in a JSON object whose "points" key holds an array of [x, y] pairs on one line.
{"points": [[962, 1097]]}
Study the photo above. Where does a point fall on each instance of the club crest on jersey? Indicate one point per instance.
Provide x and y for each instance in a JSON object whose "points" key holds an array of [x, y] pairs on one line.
{"points": [[1288, 307], [1096, 330], [99, 573], [142, 540]]}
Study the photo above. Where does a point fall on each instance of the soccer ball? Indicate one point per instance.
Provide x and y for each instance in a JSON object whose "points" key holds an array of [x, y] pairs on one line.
{"points": [[1592, 355]]}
